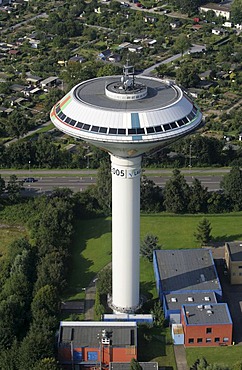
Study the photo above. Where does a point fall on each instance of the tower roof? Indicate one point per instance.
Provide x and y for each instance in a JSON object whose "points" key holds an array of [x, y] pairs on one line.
{"points": [[125, 115]]}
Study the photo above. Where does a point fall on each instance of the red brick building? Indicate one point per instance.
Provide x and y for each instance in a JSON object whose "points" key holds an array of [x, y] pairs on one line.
{"points": [[206, 325], [96, 344]]}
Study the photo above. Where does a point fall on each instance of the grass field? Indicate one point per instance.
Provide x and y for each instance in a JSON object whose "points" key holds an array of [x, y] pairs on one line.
{"points": [[92, 252], [92, 243], [8, 235], [219, 355]]}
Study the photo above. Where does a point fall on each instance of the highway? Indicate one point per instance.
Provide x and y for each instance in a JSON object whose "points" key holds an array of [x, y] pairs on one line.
{"points": [[79, 180]]}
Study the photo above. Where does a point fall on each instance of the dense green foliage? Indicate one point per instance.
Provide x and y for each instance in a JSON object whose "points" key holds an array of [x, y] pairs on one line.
{"points": [[203, 233], [148, 245], [33, 275]]}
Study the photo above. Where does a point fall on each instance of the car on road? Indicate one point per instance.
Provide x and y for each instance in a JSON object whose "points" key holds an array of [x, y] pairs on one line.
{"points": [[30, 179]]}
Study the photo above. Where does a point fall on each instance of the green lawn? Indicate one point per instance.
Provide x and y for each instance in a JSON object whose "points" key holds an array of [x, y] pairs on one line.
{"points": [[9, 233], [92, 243], [220, 355]]}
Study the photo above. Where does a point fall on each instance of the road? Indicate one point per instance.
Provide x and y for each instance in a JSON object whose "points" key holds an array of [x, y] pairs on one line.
{"points": [[193, 49], [79, 180]]}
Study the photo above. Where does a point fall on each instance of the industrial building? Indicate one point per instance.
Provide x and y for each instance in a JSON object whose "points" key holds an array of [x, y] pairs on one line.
{"points": [[206, 325], [191, 296], [233, 260], [94, 344]]}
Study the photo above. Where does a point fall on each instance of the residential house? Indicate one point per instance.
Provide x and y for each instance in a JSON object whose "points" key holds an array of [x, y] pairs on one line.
{"points": [[77, 59], [135, 48], [31, 90], [233, 260], [96, 343], [150, 19], [220, 10], [114, 58], [49, 82], [175, 24], [218, 31], [104, 55], [31, 79], [206, 325]]}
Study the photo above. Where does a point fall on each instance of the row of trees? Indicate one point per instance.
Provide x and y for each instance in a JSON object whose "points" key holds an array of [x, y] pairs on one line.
{"points": [[44, 153], [33, 276]]}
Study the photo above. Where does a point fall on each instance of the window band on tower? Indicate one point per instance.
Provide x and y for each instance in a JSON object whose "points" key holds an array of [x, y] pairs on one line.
{"points": [[130, 131]]}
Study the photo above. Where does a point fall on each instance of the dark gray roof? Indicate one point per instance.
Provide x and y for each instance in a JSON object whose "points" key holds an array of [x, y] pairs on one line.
{"points": [[126, 365], [207, 314], [159, 94], [235, 250], [187, 270], [88, 334], [175, 301]]}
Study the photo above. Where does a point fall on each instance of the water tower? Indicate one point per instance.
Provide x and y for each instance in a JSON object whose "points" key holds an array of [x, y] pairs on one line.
{"points": [[126, 116]]}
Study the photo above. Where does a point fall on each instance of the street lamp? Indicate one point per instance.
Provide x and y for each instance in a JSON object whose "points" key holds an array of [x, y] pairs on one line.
{"points": [[190, 156]]}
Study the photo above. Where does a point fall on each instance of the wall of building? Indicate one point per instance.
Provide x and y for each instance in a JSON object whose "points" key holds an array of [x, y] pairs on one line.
{"points": [[206, 335], [87, 354]]}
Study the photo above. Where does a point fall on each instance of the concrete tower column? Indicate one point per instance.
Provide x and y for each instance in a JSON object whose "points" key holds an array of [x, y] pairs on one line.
{"points": [[125, 233]]}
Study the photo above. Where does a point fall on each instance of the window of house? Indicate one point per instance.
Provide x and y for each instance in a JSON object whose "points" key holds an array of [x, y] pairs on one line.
{"points": [[191, 340], [199, 340], [208, 340], [208, 330], [217, 339], [225, 339]]}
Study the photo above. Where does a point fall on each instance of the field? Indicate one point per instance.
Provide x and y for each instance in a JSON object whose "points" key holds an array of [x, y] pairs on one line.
{"points": [[8, 235], [92, 243], [92, 251]]}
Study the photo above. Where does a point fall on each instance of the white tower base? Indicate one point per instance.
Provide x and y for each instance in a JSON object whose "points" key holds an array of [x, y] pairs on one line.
{"points": [[125, 233]]}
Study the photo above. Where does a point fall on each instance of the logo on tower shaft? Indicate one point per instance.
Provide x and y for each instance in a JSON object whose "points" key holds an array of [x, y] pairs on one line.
{"points": [[125, 173]]}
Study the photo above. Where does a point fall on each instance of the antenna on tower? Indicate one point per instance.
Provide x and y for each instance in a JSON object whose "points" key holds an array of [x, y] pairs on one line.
{"points": [[128, 76]]}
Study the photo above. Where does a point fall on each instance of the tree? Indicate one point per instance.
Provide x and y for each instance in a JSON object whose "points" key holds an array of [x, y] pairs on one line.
{"points": [[104, 187], [151, 198], [232, 186], [104, 281], [236, 11], [148, 246], [17, 124], [13, 189], [198, 197], [182, 43], [135, 365], [176, 193], [203, 233], [2, 185], [187, 75], [158, 314]]}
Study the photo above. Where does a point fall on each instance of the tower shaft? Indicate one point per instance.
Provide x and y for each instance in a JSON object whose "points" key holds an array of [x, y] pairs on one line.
{"points": [[125, 233]]}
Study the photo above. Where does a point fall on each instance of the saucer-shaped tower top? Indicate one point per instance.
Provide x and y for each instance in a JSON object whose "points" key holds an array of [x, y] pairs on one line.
{"points": [[126, 115]]}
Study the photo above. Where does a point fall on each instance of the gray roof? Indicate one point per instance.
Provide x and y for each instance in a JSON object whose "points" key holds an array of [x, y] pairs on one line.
{"points": [[235, 251], [126, 365], [187, 270], [175, 301], [207, 314], [85, 333]]}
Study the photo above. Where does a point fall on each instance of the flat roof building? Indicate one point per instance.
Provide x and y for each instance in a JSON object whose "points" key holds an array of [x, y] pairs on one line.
{"points": [[185, 271], [207, 325], [233, 259]]}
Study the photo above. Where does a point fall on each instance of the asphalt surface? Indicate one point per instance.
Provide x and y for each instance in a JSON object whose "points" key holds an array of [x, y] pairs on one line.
{"points": [[46, 181]]}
